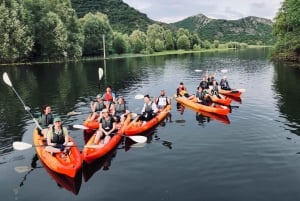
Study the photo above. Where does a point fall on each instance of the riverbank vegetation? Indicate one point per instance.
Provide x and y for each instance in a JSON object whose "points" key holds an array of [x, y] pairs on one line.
{"points": [[287, 30]]}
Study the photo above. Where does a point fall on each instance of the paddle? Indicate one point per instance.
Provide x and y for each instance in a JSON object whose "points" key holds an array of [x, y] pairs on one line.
{"points": [[23, 145], [139, 96], [136, 138], [100, 73], [27, 109]]}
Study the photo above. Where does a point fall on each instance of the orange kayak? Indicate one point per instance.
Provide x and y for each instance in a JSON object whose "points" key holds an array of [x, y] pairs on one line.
{"points": [[222, 118], [218, 109], [68, 165], [92, 152], [233, 92], [94, 124], [223, 101], [135, 128]]}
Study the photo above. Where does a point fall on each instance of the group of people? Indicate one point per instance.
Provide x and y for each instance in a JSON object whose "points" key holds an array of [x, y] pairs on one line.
{"points": [[108, 110], [111, 114], [204, 91]]}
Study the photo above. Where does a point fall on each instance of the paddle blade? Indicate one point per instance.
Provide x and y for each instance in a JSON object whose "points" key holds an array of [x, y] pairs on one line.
{"points": [[22, 169], [241, 90], [198, 70], [80, 127], [100, 72], [6, 79], [138, 138], [21, 145], [139, 96]]}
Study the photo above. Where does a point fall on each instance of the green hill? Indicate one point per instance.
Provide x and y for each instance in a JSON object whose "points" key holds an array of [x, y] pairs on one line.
{"points": [[251, 30]]}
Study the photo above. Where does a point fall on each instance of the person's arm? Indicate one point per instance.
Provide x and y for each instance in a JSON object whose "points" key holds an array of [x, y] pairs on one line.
{"points": [[144, 108], [154, 108], [66, 134], [92, 104], [49, 137]]}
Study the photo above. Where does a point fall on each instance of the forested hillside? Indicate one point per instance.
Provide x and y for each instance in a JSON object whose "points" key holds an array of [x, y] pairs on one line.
{"points": [[251, 30], [122, 17]]}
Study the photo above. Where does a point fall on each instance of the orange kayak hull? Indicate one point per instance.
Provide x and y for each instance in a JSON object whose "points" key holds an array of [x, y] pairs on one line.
{"points": [[68, 165], [135, 128]]}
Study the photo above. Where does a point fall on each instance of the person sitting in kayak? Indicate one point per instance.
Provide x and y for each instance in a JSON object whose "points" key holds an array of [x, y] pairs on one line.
{"points": [[224, 84], [45, 120], [215, 89], [58, 138], [96, 107], [204, 83], [109, 96], [120, 109], [202, 96], [149, 110], [107, 126], [182, 90], [162, 101]]}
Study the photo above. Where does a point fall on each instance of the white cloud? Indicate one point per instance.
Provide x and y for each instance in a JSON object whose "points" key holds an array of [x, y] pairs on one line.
{"points": [[175, 10]]}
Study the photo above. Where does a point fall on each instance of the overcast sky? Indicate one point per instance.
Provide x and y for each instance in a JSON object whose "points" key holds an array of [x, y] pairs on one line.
{"points": [[175, 10]]}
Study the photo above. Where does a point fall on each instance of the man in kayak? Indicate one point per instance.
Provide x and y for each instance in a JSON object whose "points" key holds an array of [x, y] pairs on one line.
{"points": [[58, 138], [224, 83], [202, 96], [107, 126], [162, 101], [149, 110]]}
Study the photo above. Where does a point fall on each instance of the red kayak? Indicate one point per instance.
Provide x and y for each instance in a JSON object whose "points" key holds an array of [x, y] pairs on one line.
{"points": [[135, 127], [92, 152], [217, 109]]}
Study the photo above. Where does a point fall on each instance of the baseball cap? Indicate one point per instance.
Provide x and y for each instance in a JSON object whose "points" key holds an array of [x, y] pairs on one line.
{"points": [[56, 119], [105, 110]]}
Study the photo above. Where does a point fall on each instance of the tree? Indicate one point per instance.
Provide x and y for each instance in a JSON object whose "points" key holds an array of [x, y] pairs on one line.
{"points": [[287, 30], [94, 27], [137, 41], [183, 42], [169, 40], [15, 35], [54, 36], [154, 32], [119, 44]]}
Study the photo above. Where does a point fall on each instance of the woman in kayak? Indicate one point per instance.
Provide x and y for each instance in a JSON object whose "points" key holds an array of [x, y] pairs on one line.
{"points": [[45, 120], [149, 110], [107, 126], [58, 138]]}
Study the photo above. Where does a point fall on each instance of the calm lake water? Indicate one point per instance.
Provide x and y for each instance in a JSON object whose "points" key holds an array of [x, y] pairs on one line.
{"points": [[251, 155]]}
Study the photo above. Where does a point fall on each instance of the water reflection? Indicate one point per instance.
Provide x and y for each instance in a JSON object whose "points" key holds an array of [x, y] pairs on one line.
{"points": [[286, 84]]}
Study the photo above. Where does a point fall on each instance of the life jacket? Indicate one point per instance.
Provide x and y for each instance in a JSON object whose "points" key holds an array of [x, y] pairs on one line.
{"points": [[108, 97], [120, 108], [46, 120], [107, 124], [100, 106], [148, 107], [59, 137], [162, 101]]}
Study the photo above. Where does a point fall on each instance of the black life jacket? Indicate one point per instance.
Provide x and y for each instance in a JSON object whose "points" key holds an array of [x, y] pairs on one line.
{"points": [[107, 124], [58, 138]]}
